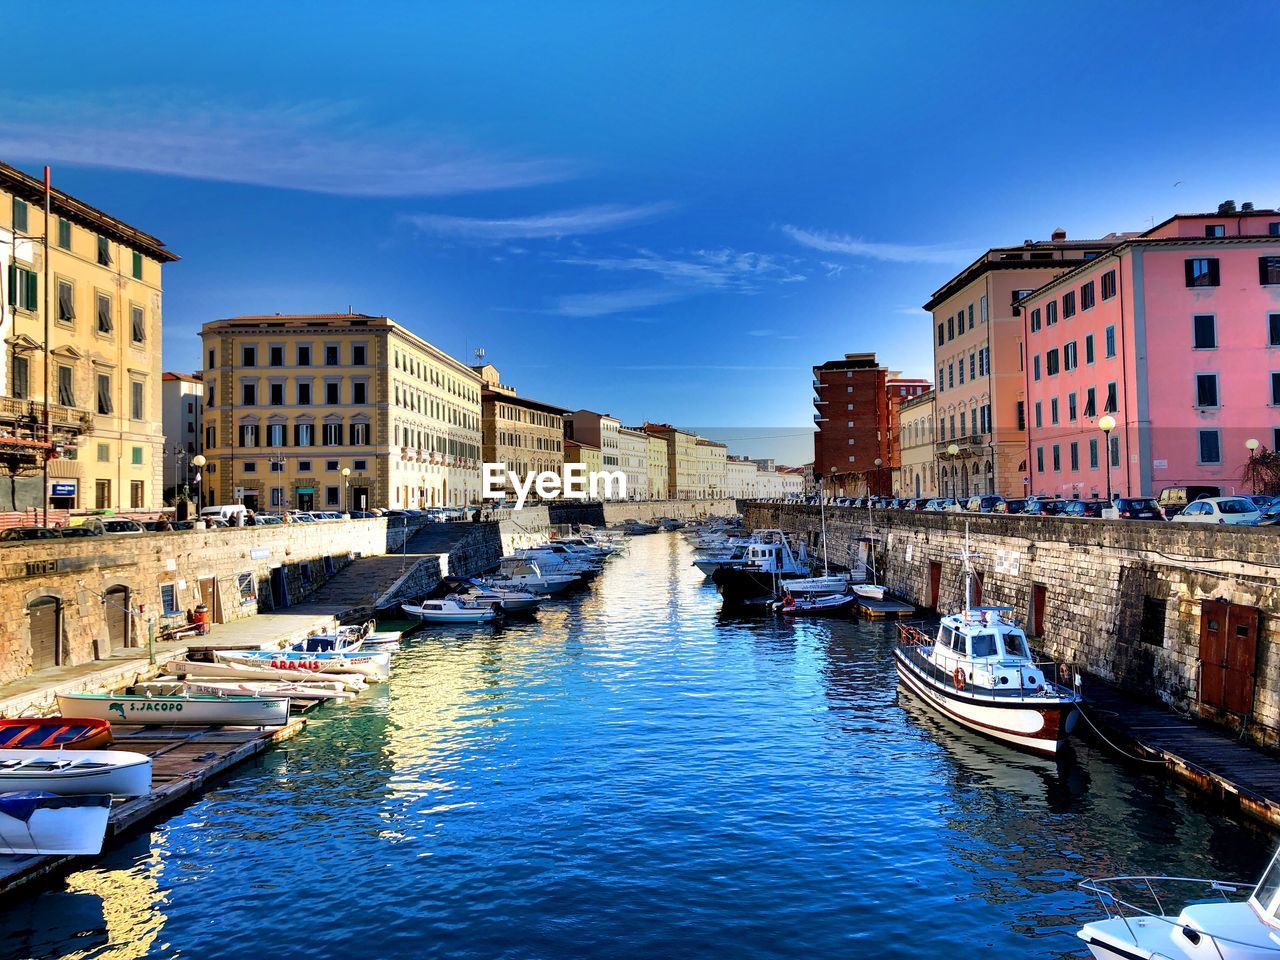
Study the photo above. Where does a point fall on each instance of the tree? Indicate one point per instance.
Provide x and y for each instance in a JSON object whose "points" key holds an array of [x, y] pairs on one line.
{"points": [[1262, 472]]}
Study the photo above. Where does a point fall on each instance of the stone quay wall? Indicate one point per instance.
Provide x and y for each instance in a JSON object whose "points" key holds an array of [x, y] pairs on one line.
{"points": [[1121, 598], [235, 564]]}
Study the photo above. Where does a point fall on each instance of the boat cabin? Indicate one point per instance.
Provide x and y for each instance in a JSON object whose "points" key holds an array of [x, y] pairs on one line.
{"points": [[986, 650]]}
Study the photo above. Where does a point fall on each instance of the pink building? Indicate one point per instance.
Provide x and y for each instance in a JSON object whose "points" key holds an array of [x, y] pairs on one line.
{"points": [[1175, 333]]}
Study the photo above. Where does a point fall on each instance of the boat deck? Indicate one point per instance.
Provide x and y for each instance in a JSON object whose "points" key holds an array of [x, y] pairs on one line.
{"points": [[183, 762], [1241, 775], [886, 609]]}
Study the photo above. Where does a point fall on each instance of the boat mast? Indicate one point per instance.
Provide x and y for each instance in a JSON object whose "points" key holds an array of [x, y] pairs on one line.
{"points": [[822, 512], [966, 555], [871, 544]]}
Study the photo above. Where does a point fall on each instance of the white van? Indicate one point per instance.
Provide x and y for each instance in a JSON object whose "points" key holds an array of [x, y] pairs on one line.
{"points": [[232, 513]]}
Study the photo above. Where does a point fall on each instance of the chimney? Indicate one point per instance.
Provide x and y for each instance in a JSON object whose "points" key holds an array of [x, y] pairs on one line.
{"points": [[1246, 207], [1058, 236], [1226, 206]]}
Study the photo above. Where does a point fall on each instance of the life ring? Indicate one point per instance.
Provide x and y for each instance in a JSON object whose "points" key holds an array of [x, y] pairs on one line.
{"points": [[958, 678], [788, 602]]}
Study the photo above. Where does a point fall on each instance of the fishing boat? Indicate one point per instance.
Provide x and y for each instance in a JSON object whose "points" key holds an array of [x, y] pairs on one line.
{"points": [[451, 609], [269, 688], [978, 671], [768, 560], [50, 733], [374, 666], [353, 682], [813, 604], [41, 823], [1222, 920], [75, 772], [181, 710]]}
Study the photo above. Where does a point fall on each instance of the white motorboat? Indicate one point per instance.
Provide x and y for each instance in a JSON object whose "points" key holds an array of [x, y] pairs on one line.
{"points": [[507, 599], [813, 605], [181, 710], [528, 575], [830, 583], [558, 558], [450, 610], [40, 823], [75, 772], [979, 672], [353, 682], [373, 666], [868, 591], [1222, 920]]}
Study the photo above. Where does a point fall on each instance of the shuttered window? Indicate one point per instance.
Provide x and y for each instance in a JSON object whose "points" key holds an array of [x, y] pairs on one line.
{"points": [[21, 382], [105, 324], [66, 301], [1202, 272], [137, 324], [1269, 270], [104, 252], [66, 387], [104, 394], [23, 290]]}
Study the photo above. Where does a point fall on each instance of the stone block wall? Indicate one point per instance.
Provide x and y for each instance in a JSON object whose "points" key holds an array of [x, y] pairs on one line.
{"points": [[1121, 598]]}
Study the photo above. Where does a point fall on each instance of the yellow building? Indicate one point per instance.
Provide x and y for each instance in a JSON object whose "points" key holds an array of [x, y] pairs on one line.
{"points": [[587, 454], [712, 475], [682, 460], [915, 477], [339, 411], [523, 435], [81, 316], [656, 466]]}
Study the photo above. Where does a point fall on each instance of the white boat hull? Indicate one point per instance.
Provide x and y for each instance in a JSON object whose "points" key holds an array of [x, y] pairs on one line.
{"points": [[374, 666], [178, 711], [76, 772], [57, 829], [239, 671], [268, 688], [450, 616]]}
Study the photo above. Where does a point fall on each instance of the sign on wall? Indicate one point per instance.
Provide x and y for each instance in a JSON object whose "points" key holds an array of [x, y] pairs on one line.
{"points": [[63, 488]]}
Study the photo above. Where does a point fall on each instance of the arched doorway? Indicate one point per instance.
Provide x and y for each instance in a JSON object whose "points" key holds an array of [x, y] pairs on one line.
{"points": [[964, 480], [46, 632], [118, 619]]}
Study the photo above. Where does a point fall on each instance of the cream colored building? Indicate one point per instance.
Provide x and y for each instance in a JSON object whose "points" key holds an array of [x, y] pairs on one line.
{"points": [[337, 411], [682, 460], [523, 435], [658, 474], [917, 475], [711, 480], [88, 407], [633, 460], [182, 406], [741, 478], [587, 454]]}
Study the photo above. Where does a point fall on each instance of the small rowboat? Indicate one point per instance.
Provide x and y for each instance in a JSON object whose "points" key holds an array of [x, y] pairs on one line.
{"points": [[48, 733], [76, 772], [813, 606], [39, 823], [269, 688], [243, 671], [179, 711], [375, 666]]}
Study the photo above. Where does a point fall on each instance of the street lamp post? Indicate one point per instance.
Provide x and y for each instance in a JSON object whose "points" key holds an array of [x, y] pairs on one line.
{"points": [[346, 483], [876, 476], [1252, 446], [1106, 425], [198, 461], [953, 451]]}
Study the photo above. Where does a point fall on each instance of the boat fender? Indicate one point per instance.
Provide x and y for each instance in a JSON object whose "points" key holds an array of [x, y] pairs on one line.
{"points": [[788, 602], [958, 678]]}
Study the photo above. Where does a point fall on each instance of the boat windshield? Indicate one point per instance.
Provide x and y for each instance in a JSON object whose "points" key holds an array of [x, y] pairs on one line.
{"points": [[1015, 645], [1267, 893], [982, 644]]}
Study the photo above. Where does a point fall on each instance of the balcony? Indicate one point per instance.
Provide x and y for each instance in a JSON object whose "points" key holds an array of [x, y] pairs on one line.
{"points": [[66, 419], [819, 418], [818, 401], [967, 444], [817, 384]]}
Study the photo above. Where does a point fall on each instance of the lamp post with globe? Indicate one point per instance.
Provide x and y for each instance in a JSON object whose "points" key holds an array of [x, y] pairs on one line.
{"points": [[1106, 425]]}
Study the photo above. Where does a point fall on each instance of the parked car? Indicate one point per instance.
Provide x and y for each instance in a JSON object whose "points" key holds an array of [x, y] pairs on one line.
{"points": [[983, 504], [1232, 510], [1010, 506], [1173, 500], [1260, 500], [1270, 516], [915, 503], [1138, 508], [227, 512], [1042, 507], [17, 534], [1084, 509], [942, 505], [78, 532], [263, 520], [114, 526]]}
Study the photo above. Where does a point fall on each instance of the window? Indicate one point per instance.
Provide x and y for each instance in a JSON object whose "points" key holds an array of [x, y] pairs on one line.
{"points": [[971, 316], [1205, 331], [104, 453], [331, 466], [1039, 415], [1053, 410], [941, 334], [358, 465], [982, 307], [21, 379], [248, 356], [1112, 404], [137, 265], [104, 252], [1111, 342], [1057, 458], [1068, 304], [1035, 367], [1115, 451], [359, 437], [304, 393], [102, 494], [104, 394], [249, 393], [1086, 296], [1108, 285], [1275, 389], [941, 382], [1022, 415], [951, 328], [276, 356], [1071, 406], [358, 354], [275, 437], [66, 388], [1206, 389], [169, 599], [304, 435], [1215, 230], [248, 435], [1051, 313], [1273, 330], [1202, 272], [973, 364], [249, 466], [64, 234], [1075, 455], [304, 355], [1268, 270], [137, 407], [304, 466], [359, 391], [331, 392], [1051, 362], [1069, 361], [1040, 459], [1210, 447], [276, 393], [332, 435], [1035, 320], [22, 288], [331, 355], [137, 324], [137, 456], [1093, 453], [962, 369], [105, 324], [331, 496], [1273, 229], [66, 301], [137, 494], [951, 374], [19, 216], [1088, 348]]}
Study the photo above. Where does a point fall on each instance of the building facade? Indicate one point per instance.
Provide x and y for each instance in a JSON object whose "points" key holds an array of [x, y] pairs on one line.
{"points": [[521, 434], [915, 477], [853, 425], [1174, 333], [978, 355], [338, 411], [740, 478], [656, 452], [682, 459], [587, 454], [633, 460], [80, 315], [182, 413], [710, 478]]}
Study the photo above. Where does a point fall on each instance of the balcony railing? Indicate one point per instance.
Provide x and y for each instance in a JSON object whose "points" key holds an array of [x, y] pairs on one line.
{"points": [[819, 418], [33, 411], [817, 384], [818, 401], [965, 443]]}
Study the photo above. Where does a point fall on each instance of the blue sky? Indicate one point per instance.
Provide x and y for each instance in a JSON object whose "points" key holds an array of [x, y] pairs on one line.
{"points": [[665, 211]]}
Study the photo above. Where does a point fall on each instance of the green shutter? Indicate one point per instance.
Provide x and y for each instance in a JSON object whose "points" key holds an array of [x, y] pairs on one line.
{"points": [[32, 295], [13, 285], [137, 265]]}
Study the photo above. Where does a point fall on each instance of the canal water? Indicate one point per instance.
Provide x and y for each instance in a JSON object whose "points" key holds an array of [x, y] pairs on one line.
{"points": [[635, 775]]}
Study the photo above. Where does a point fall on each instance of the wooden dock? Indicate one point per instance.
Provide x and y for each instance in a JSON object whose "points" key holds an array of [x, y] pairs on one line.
{"points": [[886, 609], [1242, 776], [183, 762]]}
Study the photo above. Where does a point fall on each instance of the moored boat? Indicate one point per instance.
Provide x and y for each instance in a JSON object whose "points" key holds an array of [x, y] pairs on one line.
{"points": [[768, 560], [353, 682], [375, 666], [183, 710], [813, 605], [50, 733], [75, 772], [269, 688], [41, 823], [451, 610]]}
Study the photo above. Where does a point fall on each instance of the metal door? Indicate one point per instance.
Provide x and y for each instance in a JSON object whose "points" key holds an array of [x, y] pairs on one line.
{"points": [[46, 632], [1228, 656], [116, 601]]}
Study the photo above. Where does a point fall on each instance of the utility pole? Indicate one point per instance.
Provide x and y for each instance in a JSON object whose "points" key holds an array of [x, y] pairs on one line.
{"points": [[48, 430]]}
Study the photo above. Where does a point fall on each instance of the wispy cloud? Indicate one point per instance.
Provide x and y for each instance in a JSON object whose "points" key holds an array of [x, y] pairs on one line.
{"points": [[828, 242], [317, 147], [613, 301], [559, 223], [699, 366], [720, 269]]}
